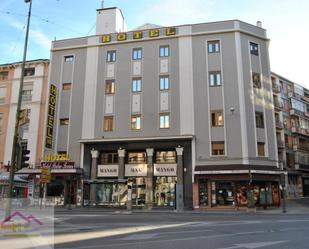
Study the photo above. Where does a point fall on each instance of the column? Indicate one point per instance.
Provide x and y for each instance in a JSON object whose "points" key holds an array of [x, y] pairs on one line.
{"points": [[179, 185], [94, 167], [121, 157], [149, 178]]}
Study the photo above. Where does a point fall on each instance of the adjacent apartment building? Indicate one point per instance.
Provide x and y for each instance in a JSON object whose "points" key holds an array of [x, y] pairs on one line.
{"points": [[165, 116], [33, 106], [291, 103]]}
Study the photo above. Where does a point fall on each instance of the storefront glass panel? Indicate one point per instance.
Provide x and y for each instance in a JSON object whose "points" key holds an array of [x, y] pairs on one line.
{"points": [[111, 194], [203, 193], [138, 191], [224, 193], [164, 194]]}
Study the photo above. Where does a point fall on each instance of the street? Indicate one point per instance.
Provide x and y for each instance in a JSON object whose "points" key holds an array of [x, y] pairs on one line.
{"points": [[119, 229]]}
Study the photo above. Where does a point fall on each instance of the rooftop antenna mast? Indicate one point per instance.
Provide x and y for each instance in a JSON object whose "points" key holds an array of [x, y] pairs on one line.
{"points": [[102, 4]]}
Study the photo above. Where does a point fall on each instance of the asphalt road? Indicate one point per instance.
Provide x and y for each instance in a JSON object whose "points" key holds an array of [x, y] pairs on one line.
{"points": [[96, 229]]}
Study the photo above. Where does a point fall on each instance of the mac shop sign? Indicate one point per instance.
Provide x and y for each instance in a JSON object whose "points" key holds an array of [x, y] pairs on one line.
{"points": [[136, 170], [165, 170], [108, 170]]}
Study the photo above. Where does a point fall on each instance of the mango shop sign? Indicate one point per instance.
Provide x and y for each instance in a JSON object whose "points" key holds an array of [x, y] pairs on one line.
{"points": [[137, 35], [136, 170], [165, 170], [107, 170], [51, 117]]}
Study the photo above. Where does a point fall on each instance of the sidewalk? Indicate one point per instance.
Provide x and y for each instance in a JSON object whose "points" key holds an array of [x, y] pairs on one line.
{"points": [[293, 206]]}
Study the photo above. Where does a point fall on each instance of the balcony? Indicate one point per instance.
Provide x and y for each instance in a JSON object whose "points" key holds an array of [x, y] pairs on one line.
{"points": [[276, 88], [279, 124], [306, 98], [294, 95], [280, 143], [297, 113], [301, 131], [302, 161], [278, 105], [26, 98], [301, 147]]}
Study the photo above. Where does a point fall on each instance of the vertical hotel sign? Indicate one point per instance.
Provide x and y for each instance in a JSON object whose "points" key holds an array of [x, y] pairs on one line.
{"points": [[51, 116]]}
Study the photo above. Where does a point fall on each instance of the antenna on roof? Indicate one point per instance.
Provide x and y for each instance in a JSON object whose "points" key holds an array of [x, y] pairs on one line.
{"points": [[102, 4]]}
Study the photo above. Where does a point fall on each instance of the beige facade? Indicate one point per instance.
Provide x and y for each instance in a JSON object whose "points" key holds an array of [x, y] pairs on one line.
{"points": [[33, 107]]}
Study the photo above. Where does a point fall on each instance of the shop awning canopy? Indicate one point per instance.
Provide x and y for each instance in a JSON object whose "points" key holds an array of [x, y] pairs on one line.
{"points": [[4, 176]]}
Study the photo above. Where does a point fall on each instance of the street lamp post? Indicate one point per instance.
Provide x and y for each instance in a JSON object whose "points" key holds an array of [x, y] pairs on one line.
{"points": [[16, 132]]}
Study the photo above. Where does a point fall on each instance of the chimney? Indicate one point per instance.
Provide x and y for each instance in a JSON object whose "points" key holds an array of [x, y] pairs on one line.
{"points": [[110, 20], [259, 24]]}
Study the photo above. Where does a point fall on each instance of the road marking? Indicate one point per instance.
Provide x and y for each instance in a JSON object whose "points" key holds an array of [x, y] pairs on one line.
{"points": [[140, 236], [162, 240], [255, 245]]}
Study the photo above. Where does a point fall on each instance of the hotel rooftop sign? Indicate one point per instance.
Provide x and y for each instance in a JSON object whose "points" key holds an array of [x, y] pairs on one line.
{"points": [[139, 34]]}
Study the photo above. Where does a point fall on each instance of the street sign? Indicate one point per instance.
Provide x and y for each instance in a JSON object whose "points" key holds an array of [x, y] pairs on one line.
{"points": [[45, 175]]}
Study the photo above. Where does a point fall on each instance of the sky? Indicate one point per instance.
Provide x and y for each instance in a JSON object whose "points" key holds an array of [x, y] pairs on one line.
{"points": [[286, 22]]}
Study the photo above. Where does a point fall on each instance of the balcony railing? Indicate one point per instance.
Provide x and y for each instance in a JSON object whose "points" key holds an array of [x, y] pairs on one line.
{"points": [[278, 104], [295, 95], [26, 97], [299, 130], [306, 98], [280, 143], [276, 88], [279, 124], [3, 77], [302, 147]]}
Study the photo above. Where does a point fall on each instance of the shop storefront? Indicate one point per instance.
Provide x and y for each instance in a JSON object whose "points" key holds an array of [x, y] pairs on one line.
{"points": [[134, 175], [63, 187], [20, 187], [236, 191]]}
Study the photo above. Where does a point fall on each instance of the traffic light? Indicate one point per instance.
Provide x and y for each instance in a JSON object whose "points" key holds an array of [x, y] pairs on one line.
{"points": [[24, 158]]}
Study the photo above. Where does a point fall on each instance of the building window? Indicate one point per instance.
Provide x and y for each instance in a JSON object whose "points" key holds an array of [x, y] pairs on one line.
{"points": [[66, 86], [261, 149], [2, 95], [164, 51], [64, 121], [213, 46], [109, 87], [137, 85], [109, 158], [215, 78], [27, 92], [164, 83], [217, 148], [254, 48], [259, 120], [166, 157], [29, 71], [4, 75], [164, 121], [136, 157], [108, 123], [111, 56], [136, 122], [68, 58], [137, 54], [256, 79], [217, 118], [1, 121]]}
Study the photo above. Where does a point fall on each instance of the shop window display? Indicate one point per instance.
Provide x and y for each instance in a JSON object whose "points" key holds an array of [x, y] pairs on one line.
{"points": [[203, 193], [138, 191], [165, 191], [111, 194], [224, 193]]}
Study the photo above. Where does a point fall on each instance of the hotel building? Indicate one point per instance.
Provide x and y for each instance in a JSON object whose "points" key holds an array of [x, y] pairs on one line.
{"points": [[166, 116]]}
